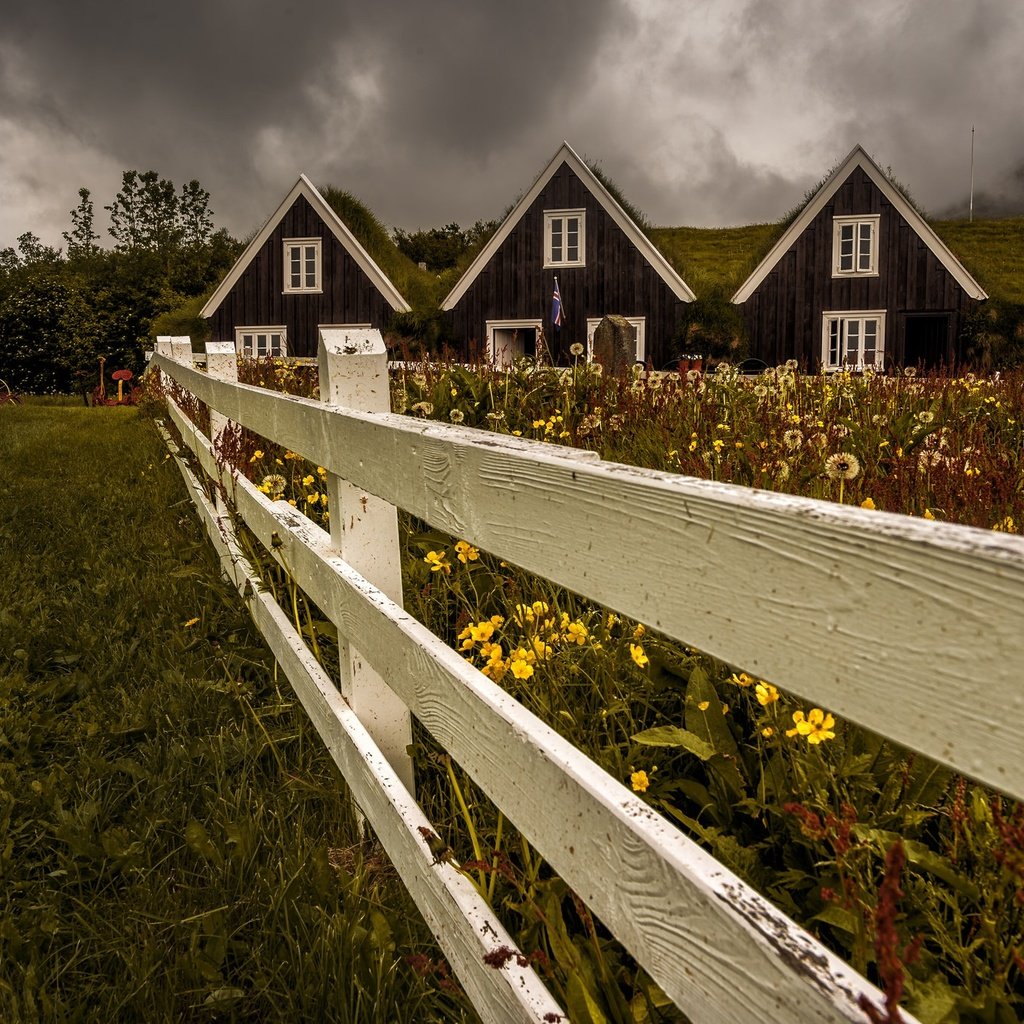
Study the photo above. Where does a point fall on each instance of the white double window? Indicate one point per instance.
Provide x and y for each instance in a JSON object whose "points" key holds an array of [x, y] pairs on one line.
{"points": [[853, 340], [302, 265], [565, 238], [261, 342], [855, 246]]}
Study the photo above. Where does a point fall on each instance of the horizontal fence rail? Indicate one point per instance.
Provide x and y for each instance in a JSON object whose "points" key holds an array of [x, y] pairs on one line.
{"points": [[904, 608], [766, 582]]}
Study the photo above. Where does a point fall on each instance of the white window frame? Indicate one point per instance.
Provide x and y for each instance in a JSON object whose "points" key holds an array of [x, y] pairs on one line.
{"points": [[253, 348], [862, 263], [551, 217], [504, 358], [303, 244], [843, 318], [639, 322]]}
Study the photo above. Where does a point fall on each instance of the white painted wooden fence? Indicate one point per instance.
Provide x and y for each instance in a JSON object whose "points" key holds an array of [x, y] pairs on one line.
{"points": [[910, 628]]}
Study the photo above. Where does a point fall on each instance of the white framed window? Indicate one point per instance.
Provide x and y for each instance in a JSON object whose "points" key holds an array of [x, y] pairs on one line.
{"points": [[302, 265], [261, 342], [638, 322], [565, 238], [853, 340], [509, 340], [855, 246]]}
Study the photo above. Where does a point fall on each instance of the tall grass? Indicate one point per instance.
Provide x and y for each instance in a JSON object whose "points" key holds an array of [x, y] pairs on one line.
{"points": [[174, 842]]}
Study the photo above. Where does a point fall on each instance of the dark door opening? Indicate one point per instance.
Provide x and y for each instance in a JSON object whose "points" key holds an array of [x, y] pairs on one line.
{"points": [[927, 342]]}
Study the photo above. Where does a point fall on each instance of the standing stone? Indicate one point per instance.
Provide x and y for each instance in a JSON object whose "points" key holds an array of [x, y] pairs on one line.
{"points": [[615, 345]]}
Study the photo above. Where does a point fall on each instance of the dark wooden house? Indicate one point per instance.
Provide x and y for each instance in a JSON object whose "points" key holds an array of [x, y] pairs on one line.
{"points": [[304, 270], [858, 279], [567, 228]]}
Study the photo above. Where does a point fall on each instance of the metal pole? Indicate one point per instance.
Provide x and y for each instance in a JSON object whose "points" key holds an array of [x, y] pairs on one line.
{"points": [[970, 217]]}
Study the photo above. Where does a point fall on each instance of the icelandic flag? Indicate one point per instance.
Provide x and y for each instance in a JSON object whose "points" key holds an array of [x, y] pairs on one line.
{"points": [[556, 306]]}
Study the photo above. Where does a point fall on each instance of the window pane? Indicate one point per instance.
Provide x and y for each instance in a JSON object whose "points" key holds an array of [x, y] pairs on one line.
{"points": [[833, 342], [556, 240], [310, 266], [246, 344], [870, 341], [572, 244], [864, 251], [846, 247], [853, 341]]}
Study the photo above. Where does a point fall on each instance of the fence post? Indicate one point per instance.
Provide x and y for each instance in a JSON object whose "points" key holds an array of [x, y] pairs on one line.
{"points": [[364, 530], [222, 364]]}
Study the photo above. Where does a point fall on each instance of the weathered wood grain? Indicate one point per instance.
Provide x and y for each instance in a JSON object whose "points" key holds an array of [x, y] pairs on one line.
{"points": [[697, 928], [464, 925], [909, 628]]}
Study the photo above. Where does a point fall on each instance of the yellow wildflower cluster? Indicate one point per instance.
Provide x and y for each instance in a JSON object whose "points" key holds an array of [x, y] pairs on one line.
{"points": [[538, 630], [553, 426]]}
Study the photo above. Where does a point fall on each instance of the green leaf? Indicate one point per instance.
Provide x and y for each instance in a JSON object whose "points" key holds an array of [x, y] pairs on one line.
{"points": [[838, 917], [199, 840], [921, 857], [582, 1007], [674, 736], [708, 722]]}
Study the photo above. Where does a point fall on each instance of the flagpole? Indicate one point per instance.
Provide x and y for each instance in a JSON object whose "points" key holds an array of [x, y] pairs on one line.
{"points": [[970, 218]]}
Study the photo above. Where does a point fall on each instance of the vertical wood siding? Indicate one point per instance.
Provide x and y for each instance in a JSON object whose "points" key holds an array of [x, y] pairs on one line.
{"points": [[783, 316], [258, 299], [515, 285]]}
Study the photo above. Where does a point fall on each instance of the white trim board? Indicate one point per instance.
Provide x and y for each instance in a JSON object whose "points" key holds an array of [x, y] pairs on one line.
{"points": [[590, 180], [304, 187], [859, 158]]}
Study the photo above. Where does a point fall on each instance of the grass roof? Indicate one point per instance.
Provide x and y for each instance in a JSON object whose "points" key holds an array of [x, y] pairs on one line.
{"points": [[718, 260], [992, 250], [419, 287]]}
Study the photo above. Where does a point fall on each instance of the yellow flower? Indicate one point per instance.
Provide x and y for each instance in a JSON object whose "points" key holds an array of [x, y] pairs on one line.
{"points": [[928, 514], [436, 561], [640, 781], [704, 705], [868, 503], [743, 679], [256, 455], [766, 694], [816, 727], [522, 669], [481, 631], [639, 631], [636, 652], [321, 472], [312, 499], [466, 552], [767, 731], [307, 481], [576, 633], [190, 623]]}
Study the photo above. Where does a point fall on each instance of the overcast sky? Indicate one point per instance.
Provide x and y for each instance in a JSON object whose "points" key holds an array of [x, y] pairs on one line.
{"points": [[706, 113]]}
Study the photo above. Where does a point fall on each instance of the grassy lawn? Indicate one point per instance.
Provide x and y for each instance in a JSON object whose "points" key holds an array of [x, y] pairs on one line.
{"points": [[174, 843]]}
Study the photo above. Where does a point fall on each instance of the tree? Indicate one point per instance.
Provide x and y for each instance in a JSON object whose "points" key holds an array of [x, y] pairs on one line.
{"points": [[81, 239], [125, 212], [195, 215]]}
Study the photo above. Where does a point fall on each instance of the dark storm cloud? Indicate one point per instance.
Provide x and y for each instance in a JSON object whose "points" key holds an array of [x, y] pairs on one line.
{"points": [[188, 88], [704, 111]]}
